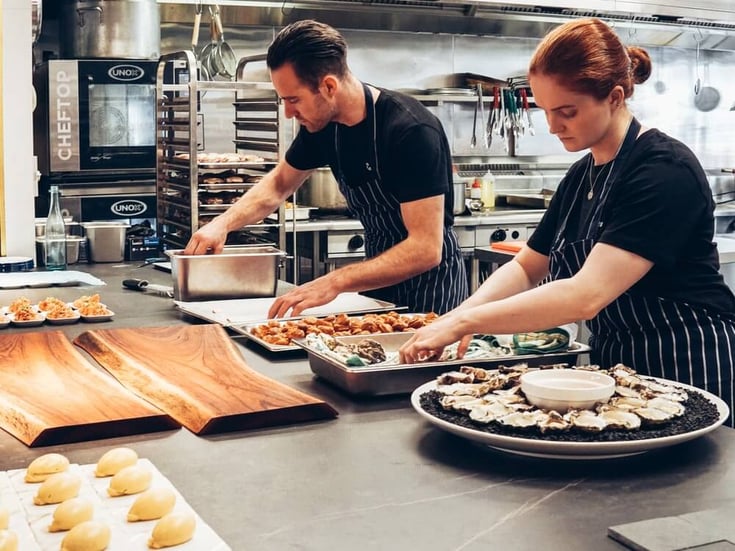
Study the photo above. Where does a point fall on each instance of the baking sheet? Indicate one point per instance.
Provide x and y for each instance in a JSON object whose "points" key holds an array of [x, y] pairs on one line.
{"points": [[30, 522], [238, 312], [246, 330], [374, 380]]}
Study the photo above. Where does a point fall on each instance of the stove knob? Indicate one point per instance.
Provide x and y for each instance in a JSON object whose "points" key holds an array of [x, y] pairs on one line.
{"points": [[355, 242], [498, 235], [515, 234]]}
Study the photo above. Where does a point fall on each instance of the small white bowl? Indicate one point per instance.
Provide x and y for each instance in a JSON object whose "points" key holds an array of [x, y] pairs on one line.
{"points": [[565, 389]]}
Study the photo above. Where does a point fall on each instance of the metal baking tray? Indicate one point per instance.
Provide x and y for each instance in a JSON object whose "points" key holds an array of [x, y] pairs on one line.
{"points": [[346, 304], [380, 307], [405, 378]]}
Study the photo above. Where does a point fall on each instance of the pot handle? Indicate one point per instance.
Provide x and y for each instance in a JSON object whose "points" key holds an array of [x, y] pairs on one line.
{"points": [[80, 13]]}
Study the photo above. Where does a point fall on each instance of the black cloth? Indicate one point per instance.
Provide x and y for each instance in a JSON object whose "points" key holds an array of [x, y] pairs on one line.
{"points": [[413, 152], [660, 208]]}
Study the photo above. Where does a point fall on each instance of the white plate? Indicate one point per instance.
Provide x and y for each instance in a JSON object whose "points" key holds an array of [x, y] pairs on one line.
{"points": [[28, 323], [64, 321], [4, 320], [570, 450], [99, 317]]}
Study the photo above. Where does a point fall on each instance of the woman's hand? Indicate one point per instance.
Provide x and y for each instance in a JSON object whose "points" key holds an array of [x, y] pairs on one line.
{"points": [[428, 342]]}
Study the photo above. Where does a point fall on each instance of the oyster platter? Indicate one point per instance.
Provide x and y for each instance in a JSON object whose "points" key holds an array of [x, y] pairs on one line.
{"points": [[643, 413]]}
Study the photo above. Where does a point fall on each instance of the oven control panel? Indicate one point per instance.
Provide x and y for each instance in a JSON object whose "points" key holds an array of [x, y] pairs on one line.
{"points": [[487, 235], [345, 244]]}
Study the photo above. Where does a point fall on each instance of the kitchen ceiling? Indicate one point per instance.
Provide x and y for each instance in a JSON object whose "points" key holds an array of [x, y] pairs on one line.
{"points": [[644, 22]]}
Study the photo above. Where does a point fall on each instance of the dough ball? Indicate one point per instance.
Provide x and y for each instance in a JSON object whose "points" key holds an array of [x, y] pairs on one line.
{"points": [[57, 488], [90, 535], [172, 529], [130, 480], [8, 540], [114, 461], [152, 504], [44, 466], [71, 512]]}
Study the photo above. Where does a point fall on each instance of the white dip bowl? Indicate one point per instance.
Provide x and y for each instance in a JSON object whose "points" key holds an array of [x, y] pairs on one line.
{"points": [[565, 389]]}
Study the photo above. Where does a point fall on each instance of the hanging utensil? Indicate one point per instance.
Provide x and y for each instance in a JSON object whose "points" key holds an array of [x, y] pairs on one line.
{"points": [[481, 103], [224, 57], [698, 82], [203, 73], [708, 97], [494, 106], [473, 139], [205, 55], [524, 102]]}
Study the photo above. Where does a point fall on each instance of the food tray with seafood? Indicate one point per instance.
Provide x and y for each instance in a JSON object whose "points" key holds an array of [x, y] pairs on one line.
{"points": [[120, 503], [280, 335], [644, 413], [391, 377], [52, 310]]}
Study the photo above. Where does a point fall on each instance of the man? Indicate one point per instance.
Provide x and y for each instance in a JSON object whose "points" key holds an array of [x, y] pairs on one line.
{"points": [[392, 161]]}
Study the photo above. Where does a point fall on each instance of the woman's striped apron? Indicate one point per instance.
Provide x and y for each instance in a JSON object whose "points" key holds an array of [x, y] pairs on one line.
{"points": [[438, 290], [654, 336]]}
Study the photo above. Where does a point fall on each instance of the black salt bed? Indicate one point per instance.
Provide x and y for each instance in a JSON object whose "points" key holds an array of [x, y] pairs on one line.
{"points": [[700, 413]]}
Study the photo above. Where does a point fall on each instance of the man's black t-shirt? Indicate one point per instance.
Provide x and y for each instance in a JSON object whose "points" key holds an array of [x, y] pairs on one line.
{"points": [[661, 208], [414, 158]]}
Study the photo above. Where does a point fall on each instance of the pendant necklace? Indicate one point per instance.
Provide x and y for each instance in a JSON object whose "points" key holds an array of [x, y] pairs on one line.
{"points": [[591, 192]]}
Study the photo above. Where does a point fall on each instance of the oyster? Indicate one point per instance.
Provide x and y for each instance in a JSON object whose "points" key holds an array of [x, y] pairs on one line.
{"points": [[521, 419], [452, 377], [619, 418], [551, 421], [490, 411], [462, 402], [653, 416], [586, 420], [675, 409], [627, 402], [371, 350]]}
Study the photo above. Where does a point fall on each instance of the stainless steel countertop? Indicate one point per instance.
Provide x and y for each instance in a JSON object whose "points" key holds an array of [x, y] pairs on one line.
{"points": [[379, 477]]}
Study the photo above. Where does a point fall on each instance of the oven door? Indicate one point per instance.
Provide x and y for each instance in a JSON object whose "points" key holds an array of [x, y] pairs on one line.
{"points": [[117, 115]]}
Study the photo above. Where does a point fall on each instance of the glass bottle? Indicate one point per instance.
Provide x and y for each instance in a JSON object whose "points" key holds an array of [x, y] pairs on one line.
{"points": [[55, 241]]}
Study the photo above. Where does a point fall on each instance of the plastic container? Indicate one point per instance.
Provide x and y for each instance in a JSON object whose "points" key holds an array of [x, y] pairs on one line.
{"points": [[105, 241], [487, 190], [54, 234], [74, 244], [476, 195]]}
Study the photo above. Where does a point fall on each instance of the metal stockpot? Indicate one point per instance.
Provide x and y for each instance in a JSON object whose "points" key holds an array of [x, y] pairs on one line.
{"points": [[321, 190], [126, 29]]}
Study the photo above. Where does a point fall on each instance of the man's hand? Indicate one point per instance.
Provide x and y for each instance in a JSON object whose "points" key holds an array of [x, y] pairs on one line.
{"points": [[208, 239], [314, 293]]}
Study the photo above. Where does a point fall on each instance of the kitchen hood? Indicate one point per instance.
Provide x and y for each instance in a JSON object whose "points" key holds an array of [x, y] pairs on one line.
{"points": [[646, 22]]}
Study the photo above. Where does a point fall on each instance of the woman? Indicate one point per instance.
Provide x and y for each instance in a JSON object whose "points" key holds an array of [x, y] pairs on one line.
{"points": [[627, 241]]}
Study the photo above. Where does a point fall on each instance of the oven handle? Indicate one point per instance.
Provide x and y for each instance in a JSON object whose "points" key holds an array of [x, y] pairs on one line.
{"points": [[80, 13]]}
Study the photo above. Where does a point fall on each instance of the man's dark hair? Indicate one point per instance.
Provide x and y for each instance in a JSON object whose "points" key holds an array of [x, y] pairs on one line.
{"points": [[313, 49]]}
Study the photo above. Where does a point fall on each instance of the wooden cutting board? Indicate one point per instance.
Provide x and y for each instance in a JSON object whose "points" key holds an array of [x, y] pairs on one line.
{"points": [[50, 394], [197, 375]]}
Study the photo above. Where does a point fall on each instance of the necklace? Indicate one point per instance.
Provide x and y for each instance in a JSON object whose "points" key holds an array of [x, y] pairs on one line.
{"points": [[591, 192]]}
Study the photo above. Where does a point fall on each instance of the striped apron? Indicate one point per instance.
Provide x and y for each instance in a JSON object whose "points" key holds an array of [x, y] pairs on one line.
{"points": [[653, 335], [437, 290]]}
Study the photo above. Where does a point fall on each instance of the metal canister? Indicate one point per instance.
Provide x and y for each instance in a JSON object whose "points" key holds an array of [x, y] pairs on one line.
{"points": [[125, 29]]}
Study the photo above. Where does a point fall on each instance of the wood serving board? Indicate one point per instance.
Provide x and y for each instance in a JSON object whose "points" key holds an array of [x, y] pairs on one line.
{"points": [[50, 394], [197, 375]]}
